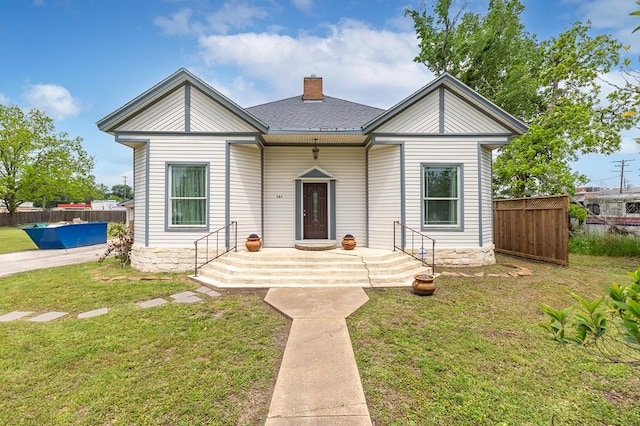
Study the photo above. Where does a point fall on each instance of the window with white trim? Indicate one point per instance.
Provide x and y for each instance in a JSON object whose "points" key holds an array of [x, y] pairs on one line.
{"points": [[187, 195], [441, 196]]}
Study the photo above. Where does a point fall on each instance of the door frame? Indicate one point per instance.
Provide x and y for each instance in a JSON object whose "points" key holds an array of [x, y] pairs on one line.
{"points": [[315, 175]]}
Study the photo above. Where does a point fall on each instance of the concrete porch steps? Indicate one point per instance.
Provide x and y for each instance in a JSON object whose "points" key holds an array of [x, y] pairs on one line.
{"points": [[268, 268]]}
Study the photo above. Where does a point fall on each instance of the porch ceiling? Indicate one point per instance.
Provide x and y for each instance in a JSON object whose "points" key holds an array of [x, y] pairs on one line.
{"points": [[311, 138]]}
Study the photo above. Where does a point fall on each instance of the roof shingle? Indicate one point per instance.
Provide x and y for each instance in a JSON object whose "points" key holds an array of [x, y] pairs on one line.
{"points": [[328, 114]]}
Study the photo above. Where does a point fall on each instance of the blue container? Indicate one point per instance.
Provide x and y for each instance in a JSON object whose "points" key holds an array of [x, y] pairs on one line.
{"points": [[68, 236]]}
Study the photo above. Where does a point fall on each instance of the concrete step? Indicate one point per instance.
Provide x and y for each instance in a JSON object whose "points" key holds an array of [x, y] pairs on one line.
{"points": [[294, 268]]}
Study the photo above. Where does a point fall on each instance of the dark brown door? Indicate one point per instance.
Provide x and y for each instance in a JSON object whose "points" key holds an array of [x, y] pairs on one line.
{"points": [[315, 221]]}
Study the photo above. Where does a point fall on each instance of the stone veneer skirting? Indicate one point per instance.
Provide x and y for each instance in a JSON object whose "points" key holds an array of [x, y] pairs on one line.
{"points": [[176, 259], [166, 259]]}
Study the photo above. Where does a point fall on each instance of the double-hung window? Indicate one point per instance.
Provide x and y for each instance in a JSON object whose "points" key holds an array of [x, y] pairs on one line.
{"points": [[441, 202], [187, 195]]}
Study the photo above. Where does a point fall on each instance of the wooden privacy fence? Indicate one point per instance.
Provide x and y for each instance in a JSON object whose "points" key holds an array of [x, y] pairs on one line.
{"points": [[535, 228], [52, 216]]}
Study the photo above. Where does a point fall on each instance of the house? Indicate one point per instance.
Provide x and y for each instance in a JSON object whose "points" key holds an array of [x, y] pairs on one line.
{"points": [[310, 168]]}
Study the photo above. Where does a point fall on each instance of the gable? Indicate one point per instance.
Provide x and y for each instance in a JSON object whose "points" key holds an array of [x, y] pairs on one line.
{"points": [[446, 106], [181, 103], [186, 109], [442, 111]]}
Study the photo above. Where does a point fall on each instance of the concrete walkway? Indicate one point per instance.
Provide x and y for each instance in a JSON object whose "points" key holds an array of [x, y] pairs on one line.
{"points": [[318, 382], [12, 263]]}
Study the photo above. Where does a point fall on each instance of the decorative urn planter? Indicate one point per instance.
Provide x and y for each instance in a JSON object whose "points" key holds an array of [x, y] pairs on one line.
{"points": [[423, 284], [253, 243], [348, 242]]}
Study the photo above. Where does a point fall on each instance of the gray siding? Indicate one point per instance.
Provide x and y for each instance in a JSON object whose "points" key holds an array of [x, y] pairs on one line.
{"points": [[284, 164], [461, 117], [167, 115], [175, 149], [209, 116], [487, 197], [139, 189], [423, 117], [384, 194], [445, 150], [245, 189]]}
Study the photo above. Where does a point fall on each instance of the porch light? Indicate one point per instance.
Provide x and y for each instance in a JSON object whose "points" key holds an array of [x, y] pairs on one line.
{"points": [[315, 149]]}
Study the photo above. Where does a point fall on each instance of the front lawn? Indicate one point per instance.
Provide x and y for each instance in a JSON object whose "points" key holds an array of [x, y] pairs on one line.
{"points": [[471, 354], [213, 362]]}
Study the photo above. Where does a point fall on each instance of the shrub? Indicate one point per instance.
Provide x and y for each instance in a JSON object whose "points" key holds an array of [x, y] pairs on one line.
{"points": [[120, 247], [613, 332]]}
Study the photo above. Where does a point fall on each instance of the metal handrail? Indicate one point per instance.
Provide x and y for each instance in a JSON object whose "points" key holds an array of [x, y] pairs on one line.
{"points": [[422, 252], [231, 227]]}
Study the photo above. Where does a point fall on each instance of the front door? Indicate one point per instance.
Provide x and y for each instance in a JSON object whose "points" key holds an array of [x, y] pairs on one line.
{"points": [[315, 217]]}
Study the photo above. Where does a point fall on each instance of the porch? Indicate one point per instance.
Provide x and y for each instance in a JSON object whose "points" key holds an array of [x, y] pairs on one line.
{"points": [[289, 267]]}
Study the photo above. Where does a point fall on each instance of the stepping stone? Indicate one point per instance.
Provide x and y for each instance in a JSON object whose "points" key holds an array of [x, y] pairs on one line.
{"points": [[93, 313], [208, 291], [49, 316], [186, 297], [182, 295], [11, 316], [152, 303]]}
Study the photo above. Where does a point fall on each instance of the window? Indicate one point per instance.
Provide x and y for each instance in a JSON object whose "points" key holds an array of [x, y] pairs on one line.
{"points": [[441, 196], [594, 208], [633, 207], [187, 204]]}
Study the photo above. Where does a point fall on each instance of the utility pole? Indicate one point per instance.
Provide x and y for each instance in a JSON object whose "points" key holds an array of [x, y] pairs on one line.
{"points": [[126, 192], [621, 164]]}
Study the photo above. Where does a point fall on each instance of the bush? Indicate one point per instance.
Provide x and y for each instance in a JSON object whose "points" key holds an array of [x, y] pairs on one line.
{"points": [[605, 245], [121, 246], [612, 332]]}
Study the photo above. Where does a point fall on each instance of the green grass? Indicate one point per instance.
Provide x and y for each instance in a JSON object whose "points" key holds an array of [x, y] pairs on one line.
{"points": [[473, 353], [214, 362], [14, 239], [606, 245]]}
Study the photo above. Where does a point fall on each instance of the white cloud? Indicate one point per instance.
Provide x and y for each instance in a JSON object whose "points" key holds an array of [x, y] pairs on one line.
{"points": [[612, 16], [231, 16], [4, 100], [304, 5], [629, 144], [357, 62], [54, 100], [178, 24], [234, 15]]}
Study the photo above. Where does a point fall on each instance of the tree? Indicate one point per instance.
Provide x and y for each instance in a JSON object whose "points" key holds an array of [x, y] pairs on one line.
{"points": [[555, 86], [36, 163], [122, 192]]}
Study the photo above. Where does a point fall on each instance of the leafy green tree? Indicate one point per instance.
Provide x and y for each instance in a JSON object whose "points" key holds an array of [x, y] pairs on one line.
{"points": [[555, 86], [101, 191], [121, 192], [36, 163]]}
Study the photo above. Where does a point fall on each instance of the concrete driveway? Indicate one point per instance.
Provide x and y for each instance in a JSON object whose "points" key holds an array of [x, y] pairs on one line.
{"points": [[22, 261]]}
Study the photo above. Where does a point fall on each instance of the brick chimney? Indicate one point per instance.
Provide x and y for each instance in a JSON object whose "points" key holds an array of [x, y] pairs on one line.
{"points": [[312, 88]]}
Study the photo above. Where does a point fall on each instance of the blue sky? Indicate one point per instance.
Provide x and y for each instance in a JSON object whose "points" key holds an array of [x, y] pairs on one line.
{"points": [[79, 60]]}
